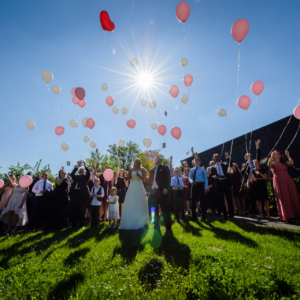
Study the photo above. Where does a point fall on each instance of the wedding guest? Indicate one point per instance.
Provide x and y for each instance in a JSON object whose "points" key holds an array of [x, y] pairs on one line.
{"points": [[121, 184], [78, 191], [199, 182], [222, 179], [211, 195], [113, 214], [88, 213], [6, 190], [40, 200], [30, 199], [177, 186], [257, 182], [15, 212], [246, 170], [97, 194], [286, 193], [58, 212], [211, 163], [172, 169], [186, 190], [238, 188]]}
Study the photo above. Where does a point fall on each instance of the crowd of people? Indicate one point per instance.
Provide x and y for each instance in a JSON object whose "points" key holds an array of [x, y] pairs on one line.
{"points": [[136, 196]]}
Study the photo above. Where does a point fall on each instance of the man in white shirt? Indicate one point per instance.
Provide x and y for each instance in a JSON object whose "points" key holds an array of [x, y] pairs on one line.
{"points": [[177, 186], [97, 194], [40, 200]]}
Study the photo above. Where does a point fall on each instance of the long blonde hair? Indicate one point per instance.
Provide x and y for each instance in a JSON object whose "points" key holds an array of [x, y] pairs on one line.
{"points": [[137, 160], [237, 169]]}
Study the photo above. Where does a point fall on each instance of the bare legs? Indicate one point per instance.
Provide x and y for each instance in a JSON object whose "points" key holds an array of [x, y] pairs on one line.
{"points": [[11, 216], [259, 206], [241, 204], [187, 206]]}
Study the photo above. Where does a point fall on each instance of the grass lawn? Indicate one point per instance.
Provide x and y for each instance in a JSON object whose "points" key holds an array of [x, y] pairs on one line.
{"points": [[198, 261]]}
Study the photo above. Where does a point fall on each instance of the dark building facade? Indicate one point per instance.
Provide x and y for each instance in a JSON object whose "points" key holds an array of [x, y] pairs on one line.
{"points": [[268, 135]]}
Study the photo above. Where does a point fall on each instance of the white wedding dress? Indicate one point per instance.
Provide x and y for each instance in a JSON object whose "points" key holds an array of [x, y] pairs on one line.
{"points": [[135, 213]]}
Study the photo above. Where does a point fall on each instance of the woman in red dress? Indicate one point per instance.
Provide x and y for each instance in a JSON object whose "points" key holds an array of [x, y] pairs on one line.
{"points": [[185, 178], [286, 193]]}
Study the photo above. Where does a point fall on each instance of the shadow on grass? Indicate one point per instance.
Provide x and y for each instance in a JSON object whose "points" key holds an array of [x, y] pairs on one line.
{"points": [[76, 256], [150, 273], [64, 288], [189, 228]]}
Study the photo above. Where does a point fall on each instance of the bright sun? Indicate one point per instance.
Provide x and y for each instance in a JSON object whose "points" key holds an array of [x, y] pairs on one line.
{"points": [[145, 80]]}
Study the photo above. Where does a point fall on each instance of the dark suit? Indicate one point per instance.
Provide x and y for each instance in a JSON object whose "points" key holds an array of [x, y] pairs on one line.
{"points": [[163, 181], [78, 192], [223, 185], [246, 173]]}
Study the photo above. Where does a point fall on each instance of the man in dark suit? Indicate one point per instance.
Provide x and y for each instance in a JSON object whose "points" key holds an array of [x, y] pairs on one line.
{"points": [[78, 192], [246, 170], [159, 181], [220, 172]]}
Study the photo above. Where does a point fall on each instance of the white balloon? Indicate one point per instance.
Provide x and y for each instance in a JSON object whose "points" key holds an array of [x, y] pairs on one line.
{"points": [[121, 143], [153, 126], [86, 138], [84, 121], [134, 62], [222, 112], [93, 144], [152, 104], [184, 62], [104, 86], [47, 76], [184, 99], [56, 89], [73, 123], [65, 146], [144, 102], [124, 110], [147, 142], [115, 110], [30, 125]]}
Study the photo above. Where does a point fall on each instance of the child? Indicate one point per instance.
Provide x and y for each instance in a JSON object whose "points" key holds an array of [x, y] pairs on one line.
{"points": [[177, 186], [113, 212], [97, 193]]}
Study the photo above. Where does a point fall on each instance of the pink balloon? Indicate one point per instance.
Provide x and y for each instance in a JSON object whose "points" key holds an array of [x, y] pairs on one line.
{"points": [[257, 87], [162, 129], [59, 130], [1, 183], [240, 29], [176, 133], [73, 91], [82, 103], [244, 102], [127, 123], [80, 93], [188, 80], [131, 123], [174, 91], [296, 112], [25, 181], [75, 100], [90, 123], [182, 11], [108, 174], [110, 100]]}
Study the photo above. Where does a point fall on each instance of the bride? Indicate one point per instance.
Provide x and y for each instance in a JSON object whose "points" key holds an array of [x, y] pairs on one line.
{"points": [[135, 211]]}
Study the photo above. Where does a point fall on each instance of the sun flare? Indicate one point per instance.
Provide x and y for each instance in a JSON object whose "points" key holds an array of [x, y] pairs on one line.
{"points": [[145, 80]]}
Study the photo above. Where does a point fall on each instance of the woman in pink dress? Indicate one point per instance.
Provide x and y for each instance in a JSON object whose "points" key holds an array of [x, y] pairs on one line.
{"points": [[6, 191], [285, 190]]}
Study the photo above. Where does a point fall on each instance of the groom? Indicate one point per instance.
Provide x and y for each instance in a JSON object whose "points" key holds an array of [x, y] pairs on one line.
{"points": [[159, 181]]}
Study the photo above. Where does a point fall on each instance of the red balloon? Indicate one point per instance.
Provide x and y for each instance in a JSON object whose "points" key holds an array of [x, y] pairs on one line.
{"points": [[257, 87], [82, 103], [90, 123], [127, 123], [25, 181], [240, 29], [59, 130], [174, 91], [162, 129], [80, 93], [110, 100], [188, 80], [73, 91], [105, 21], [131, 123], [75, 100], [244, 102], [182, 11], [176, 133]]}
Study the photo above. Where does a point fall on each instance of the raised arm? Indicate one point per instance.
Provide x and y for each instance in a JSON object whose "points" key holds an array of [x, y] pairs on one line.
{"points": [[271, 160], [229, 162], [290, 162], [88, 173], [258, 151]]}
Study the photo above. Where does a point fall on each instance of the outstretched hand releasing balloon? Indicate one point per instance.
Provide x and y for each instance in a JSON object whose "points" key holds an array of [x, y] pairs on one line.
{"points": [[174, 91], [188, 80], [105, 21], [162, 129], [244, 102], [257, 87], [182, 11], [240, 29]]}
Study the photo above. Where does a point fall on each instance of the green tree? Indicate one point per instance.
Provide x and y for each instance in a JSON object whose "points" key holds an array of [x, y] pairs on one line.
{"points": [[96, 157], [148, 159]]}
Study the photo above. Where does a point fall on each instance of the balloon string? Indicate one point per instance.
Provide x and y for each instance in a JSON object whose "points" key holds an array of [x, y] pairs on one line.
{"points": [[106, 60], [190, 115], [293, 138], [246, 134], [253, 123], [184, 40], [51, 105]]}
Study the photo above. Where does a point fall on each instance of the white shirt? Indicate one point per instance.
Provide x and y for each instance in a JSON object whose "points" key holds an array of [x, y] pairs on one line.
{"points": [[219, 169], [95, 191], [154, 185], [39, 186]]}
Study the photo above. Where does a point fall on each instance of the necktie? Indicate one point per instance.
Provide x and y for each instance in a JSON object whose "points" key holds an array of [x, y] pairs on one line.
{"points": [[178, 181], [44, 185], [194, 178]]}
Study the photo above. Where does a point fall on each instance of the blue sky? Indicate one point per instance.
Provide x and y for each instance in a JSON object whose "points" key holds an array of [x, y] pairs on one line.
{"points": [[65, 37]]}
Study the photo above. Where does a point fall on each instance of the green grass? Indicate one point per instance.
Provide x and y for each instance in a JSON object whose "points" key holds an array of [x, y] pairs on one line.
{"points": [[199, 261]]}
